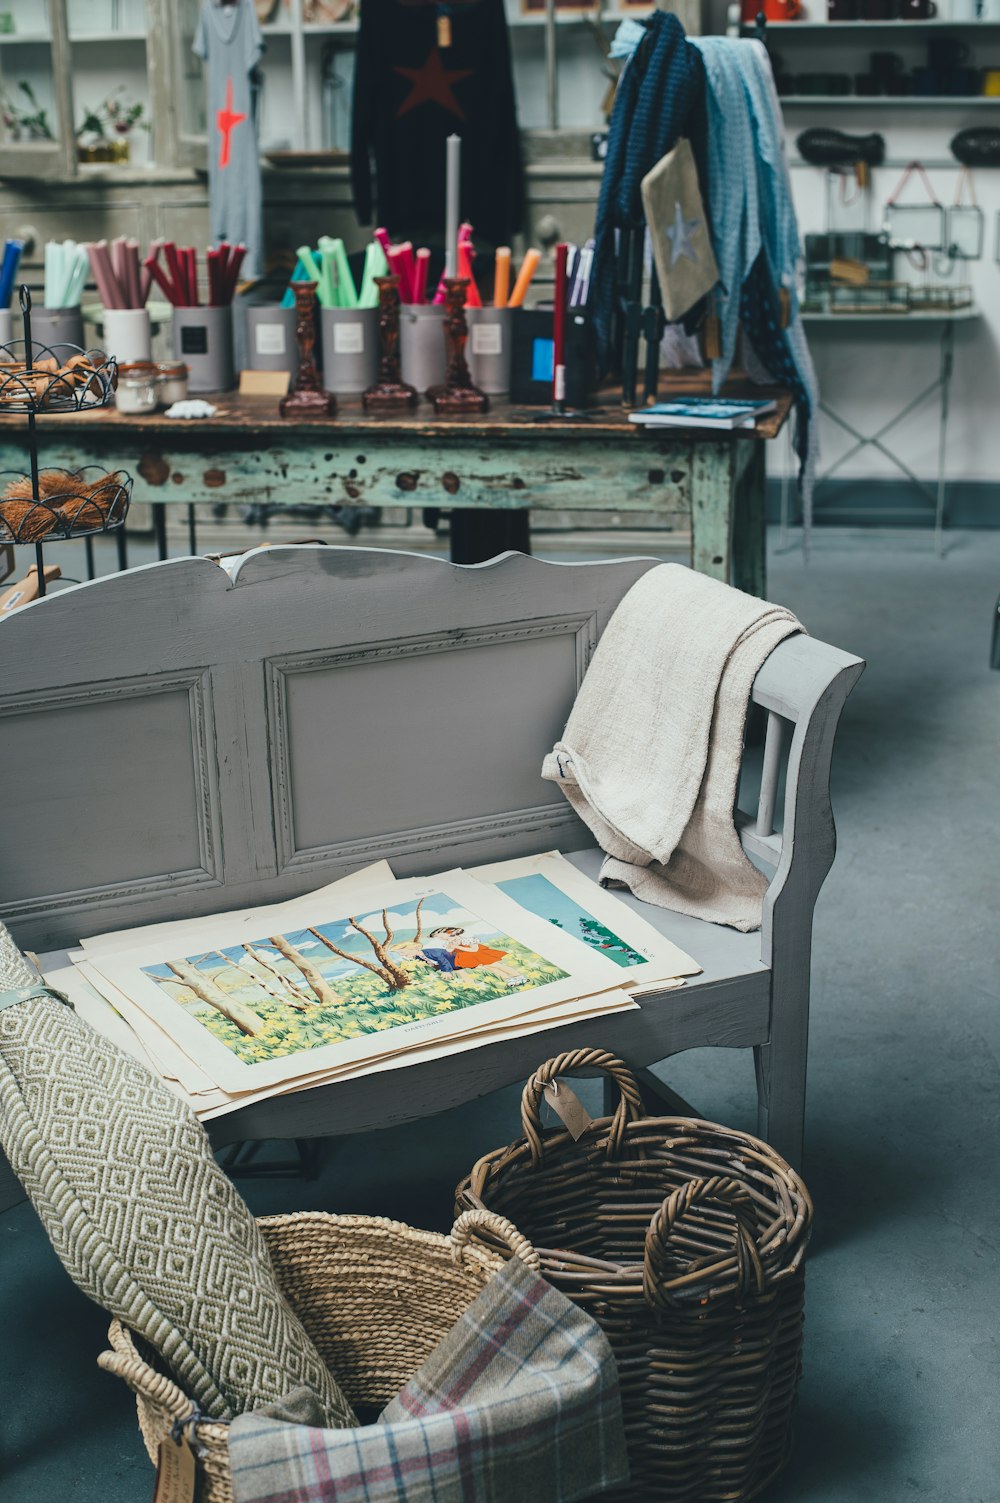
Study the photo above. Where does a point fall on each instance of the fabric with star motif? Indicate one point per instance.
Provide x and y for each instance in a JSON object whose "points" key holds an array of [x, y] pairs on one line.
{"points": [[410, 94], [678, 231], [229, 42]]}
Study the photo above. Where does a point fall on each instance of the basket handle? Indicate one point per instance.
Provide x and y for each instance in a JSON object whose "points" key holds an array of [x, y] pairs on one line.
{"points": [[125, 1363], [661, 1284], [629, 1108], [506, 1231]]}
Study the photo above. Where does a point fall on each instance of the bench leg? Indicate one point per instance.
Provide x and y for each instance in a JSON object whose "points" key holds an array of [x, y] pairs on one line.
{"points": [[781, 1075]]}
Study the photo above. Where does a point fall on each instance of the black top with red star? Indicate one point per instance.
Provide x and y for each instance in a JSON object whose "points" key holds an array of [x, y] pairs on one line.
{"points": [[423, 72]]}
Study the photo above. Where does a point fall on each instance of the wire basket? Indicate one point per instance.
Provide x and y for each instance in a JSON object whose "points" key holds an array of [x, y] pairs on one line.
{"points": [[68, 504], [58, 377]]}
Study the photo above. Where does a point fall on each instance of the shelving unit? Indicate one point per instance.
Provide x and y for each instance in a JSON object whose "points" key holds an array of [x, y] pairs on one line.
{"points": [[84, 380], [837, 28], [884, 101]]}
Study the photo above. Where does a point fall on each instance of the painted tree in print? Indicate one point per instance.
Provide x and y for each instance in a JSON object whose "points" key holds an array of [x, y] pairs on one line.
{"points": [[206, 990], [395, 976], [320, 987]]}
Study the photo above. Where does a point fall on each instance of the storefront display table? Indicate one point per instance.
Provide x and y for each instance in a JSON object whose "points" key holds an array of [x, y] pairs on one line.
{"points": [[503, 462]]}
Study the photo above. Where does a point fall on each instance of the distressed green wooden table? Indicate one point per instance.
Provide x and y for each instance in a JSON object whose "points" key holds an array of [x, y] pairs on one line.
{"points": [[503, 461]]}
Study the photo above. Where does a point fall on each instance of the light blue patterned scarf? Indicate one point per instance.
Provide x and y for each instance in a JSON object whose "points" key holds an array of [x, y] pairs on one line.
{"points": [[750, 198]]}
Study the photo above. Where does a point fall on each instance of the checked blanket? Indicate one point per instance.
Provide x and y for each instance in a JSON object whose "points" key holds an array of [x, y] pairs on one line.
{"points": [[518, 1404]]}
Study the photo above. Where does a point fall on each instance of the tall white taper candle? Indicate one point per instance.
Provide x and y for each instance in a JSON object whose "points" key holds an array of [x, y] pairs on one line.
{"points": [[453, 172]]}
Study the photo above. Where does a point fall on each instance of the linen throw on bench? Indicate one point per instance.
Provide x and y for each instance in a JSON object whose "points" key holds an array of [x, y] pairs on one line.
{"points": [[650, 757], [518, 1404], [141, 1216]]}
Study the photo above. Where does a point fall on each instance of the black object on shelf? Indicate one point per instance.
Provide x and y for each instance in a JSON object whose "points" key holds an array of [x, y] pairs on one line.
{"points": [[824, 147], [978, 146], [36, 378]]}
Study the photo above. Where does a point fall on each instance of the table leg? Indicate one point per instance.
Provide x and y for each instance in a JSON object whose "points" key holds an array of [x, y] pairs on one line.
{"points": [[192, 530], [947, 364], [477, 535], [713, 489], [160, 529], [750, 526], [122, 547]]}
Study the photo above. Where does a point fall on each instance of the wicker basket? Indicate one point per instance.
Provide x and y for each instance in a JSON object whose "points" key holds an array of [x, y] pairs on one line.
{"points": [[686, 1243], [375, 1296]]}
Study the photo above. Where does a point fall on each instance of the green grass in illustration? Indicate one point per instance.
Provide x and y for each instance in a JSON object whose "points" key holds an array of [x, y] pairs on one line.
{"points": [[369, 1006]]}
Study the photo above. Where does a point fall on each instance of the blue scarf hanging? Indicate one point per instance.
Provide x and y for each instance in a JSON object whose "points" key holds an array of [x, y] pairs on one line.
{"points": [[660, 97]]}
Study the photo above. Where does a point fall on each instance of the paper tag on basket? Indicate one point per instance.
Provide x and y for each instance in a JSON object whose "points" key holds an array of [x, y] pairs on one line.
{"points": [[568, 1107], [176, 1472]]}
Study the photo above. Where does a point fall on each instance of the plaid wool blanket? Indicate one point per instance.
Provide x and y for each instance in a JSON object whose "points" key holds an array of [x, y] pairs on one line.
{"points": [[518, 1404]]}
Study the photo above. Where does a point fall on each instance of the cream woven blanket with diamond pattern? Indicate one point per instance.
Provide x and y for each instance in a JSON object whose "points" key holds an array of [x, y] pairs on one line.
{"points": [[143, 1219]]}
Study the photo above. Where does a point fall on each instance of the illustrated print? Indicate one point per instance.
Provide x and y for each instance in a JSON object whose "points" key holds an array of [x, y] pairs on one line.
{"points": [[544, 899], [285, 993]]}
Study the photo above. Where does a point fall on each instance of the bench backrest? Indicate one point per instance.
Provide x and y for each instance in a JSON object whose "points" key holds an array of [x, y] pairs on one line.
{"points": [[178, 742]]}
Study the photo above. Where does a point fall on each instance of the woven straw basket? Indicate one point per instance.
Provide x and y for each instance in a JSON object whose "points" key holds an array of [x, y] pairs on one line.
{"points": [[686, 1242], [375, 1296]]}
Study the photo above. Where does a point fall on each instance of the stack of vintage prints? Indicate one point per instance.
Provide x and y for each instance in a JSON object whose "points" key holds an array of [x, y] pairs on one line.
{"points": [[367, 974]]}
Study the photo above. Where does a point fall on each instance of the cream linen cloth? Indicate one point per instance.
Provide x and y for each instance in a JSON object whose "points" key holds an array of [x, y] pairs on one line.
{"points": [[650, 757]]}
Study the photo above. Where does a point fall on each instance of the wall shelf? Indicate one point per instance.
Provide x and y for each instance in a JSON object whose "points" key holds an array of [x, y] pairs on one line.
{"points": [[849, 28], [889, 101], [42, 39]]}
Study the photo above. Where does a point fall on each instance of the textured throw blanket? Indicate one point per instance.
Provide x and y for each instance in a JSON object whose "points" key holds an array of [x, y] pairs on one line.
{"points": [[142, 1217], [651, 753], [519, 1402]]}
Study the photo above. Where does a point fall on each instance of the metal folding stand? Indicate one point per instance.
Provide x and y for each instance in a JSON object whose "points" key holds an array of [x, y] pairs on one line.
{"points": [[936, 491]]}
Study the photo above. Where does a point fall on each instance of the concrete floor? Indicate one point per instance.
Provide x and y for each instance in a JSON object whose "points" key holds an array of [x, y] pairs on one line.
{"points": [[902, 1363]]}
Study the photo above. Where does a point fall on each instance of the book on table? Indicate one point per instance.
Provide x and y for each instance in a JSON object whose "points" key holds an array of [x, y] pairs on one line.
{"points": [[704, 412]]}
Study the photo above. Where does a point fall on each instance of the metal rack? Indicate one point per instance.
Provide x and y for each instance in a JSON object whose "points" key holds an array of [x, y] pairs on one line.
{"points": [[63, 378]]}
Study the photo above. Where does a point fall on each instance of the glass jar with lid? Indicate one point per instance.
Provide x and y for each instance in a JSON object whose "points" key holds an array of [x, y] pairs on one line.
{"points": [[172, 382], [137, 388]]}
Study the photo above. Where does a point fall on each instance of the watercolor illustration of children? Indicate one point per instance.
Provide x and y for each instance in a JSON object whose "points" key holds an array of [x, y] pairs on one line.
{"points": [[470, 954], [439, 958]]}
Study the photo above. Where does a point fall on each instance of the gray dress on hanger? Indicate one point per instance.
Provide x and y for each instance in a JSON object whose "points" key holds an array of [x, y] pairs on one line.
{"points": [[229, 42]]}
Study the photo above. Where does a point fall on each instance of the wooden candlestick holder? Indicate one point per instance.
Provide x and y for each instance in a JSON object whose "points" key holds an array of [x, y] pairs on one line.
{"points": [[307, 399], [390, 390], [458, 393]]}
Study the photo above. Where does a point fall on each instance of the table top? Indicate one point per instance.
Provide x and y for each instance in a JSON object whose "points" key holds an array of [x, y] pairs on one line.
{"points": [[243, 416]]}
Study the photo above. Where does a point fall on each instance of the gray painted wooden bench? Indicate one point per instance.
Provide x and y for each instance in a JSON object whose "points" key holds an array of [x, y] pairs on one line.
{"points": [[178, 742]]}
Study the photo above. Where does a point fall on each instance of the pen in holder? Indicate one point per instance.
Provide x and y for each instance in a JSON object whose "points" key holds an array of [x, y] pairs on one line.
{"points": [[307, 399], [390, 390], [559, 409], [458, 393]]}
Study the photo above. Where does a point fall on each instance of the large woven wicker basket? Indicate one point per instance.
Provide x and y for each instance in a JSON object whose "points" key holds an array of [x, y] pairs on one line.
{"points": [[375, 1296], [686, 1242]]}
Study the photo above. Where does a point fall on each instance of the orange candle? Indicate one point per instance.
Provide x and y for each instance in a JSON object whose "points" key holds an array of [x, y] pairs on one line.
{"points": [[524, 276]]}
